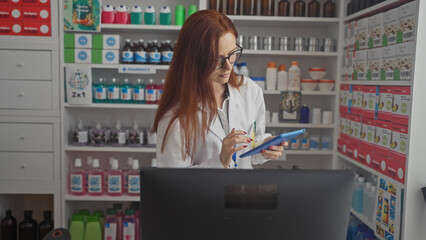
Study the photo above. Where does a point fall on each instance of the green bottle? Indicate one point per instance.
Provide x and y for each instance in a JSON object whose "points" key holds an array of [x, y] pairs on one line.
{"points": [[101, 218], [77, 227], [85, 214], [139, 91], [126, 91], [93, 229]]}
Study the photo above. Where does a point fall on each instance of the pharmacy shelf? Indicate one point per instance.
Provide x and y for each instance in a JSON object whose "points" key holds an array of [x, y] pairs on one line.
{"points": [[109, 149], [289, 53], [370, 170], [299, 125], [381, 7], [112, 105], [140, 28], [308, 152], [68, 197], [381, 83], [363, 219], [116, 66], [304, 93], [285, 22]]}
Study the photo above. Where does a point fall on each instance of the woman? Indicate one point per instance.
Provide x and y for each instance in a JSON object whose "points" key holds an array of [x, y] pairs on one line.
{"points": [[206, 112]]}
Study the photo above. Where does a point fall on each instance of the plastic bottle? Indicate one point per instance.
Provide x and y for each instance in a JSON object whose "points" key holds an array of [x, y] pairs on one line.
{"points": [[294, 77], [136, 15], [46, 225], [160, 90], [366, 194], [99, 91], [140, 53], [127, 53], [282, 79], [165, 16], [121, 15], [304, 114], [151, 139], [244, 69], [110, 229], [114, 180], [118, 136], [359, 195], [267, 7], [97, 135], [77, 227], [354, 190], [271, 76], [138, 91], [284, 8], [135, 47], [329, 9], [305, 141], [371, 203], [129, 225], [352, 228], [362, 228], [235, 67], [9, 227], [85, 214], [135, 207], [119, 214], [250, 7], [107, 14], [369, 235], [314, 8], [113, 91], [299, 8], [295, 143], [93, 229], [154, 163], [77, 179], [136, 136], [166, 53], [126, 91], [154, 55], [81, 135], [149, 15], [101, 220], [28, 227], [133, 179], [95, 180], [151, 92]]}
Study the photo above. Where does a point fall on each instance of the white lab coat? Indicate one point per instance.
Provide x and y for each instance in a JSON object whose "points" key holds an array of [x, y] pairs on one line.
{"points": [[246, 106]]}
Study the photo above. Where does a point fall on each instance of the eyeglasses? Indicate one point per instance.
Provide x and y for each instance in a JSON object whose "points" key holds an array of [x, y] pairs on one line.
{"points": [[232, 58]]}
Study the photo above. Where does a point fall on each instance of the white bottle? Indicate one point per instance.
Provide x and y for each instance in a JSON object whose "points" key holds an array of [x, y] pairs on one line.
{"points": [[81, 135], [366, 201], [244, 70], [271, 76], [236, 71], [154, 162], [282, 82], [372, 203], [294, 77]]}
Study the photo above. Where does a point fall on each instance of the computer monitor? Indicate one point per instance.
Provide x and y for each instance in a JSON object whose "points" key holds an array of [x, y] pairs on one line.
{"points": [[262, 204]]}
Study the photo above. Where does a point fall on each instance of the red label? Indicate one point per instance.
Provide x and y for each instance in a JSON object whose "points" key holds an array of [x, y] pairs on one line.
{"points": [[10, 13], [36, 3], [37, 29], [11, 28], [365, 156], [396, 170], [40, 14], [379, 163]]}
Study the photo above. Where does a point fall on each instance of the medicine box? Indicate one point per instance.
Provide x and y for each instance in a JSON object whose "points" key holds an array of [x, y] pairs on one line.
{"points": [[370, 101], [390, 27], [360, 65], [382, 138], [34, 28], [384, 110], [365, 156], [353, 149], [401, 106], [361, 34], [349, 65], [345, 37], [375, 30], [404, 60], [345, 124], [77, 56], [11, 13], [35, 3], [100, 41], [357, 97], [12, 2], [374, 64], [379, 163], [342, 146], [77, 40], [399, 143], [351, 36], [368, 131], [355, 127], [345, 98], [41, 14], [407, 22], [396, 170], [11, 28], [106, 56], [343, 69], [388, 63]]}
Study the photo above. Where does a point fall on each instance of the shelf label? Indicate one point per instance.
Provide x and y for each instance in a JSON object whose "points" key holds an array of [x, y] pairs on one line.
{"points": [[136, 69]]}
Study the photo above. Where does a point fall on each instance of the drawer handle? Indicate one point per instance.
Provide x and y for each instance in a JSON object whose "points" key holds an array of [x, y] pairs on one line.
{"points": [[21, 64], [21, 94], [23, 165]]}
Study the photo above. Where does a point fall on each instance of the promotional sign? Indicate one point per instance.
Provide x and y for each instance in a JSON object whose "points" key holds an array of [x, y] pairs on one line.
{"points": [[82, 15]]}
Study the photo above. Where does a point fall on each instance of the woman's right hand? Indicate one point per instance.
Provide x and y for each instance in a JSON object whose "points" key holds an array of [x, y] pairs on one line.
{"points": [[233, 138]]}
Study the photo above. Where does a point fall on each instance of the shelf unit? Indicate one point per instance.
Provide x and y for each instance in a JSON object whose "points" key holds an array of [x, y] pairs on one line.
{"points": [[363, 219], [304, 93], [113, 105], [109, 149], [379, 83], [289, 53], [299, 125], [68, 197]]}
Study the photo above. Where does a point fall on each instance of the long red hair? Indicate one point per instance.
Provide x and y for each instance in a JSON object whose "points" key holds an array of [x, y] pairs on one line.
{"points": [[188, 90]]}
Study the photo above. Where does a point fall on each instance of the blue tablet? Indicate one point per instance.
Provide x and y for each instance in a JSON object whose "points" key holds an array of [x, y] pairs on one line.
{"points": [[273, 142]]}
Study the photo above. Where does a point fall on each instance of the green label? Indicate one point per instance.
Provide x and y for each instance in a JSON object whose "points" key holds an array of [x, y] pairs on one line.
{"points": [[404, 108], [388, 105], [370, 136], [370, 104], [370, 43], [403, 147], [369, 74], [399, 37], [385, 140], [384, 40]]}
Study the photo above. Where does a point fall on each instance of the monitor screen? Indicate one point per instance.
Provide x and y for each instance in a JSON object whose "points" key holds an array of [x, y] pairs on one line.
{"points": [[194, 204]]}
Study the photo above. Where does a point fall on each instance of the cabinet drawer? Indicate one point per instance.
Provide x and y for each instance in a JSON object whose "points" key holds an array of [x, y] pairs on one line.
{"points": [[18, 64], [25, 94], [26, 166], [26, 137]]}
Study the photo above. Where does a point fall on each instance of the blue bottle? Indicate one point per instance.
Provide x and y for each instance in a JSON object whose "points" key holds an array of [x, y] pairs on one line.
{"points": [[304, 114], [126, 91]]}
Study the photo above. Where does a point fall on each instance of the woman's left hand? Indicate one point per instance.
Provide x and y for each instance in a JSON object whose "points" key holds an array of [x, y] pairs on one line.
{"points": [[274, 152]]}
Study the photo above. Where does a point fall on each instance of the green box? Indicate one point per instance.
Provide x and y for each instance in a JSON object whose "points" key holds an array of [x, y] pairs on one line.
{"points": [[69, 56], [97, 56], [69, 40], [97, 41]]}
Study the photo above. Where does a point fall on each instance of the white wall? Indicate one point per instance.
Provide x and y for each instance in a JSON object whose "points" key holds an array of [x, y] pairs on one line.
{"points": [[415, 206]]}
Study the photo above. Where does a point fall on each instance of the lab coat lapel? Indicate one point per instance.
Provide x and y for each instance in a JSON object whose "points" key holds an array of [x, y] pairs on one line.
{"points": [[234, 112], [217, 129]]}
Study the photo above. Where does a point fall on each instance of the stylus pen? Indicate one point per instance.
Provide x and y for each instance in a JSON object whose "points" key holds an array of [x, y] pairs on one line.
{"points": [[234, 158]]}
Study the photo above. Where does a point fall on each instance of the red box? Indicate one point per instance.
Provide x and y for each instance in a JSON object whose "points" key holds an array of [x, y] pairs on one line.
{"points": [[342, 146], [37, 3], [396, 170], [368, 131], [11, 2], [353, 149], [401, 106], [357, 96], [399, 144], [345, 98], [39, 14], [379, 163], [370, 101], [37, 29], [345, 123], [11, 28], [365, 156], [10, 13], [384, 111], [382, 138]]}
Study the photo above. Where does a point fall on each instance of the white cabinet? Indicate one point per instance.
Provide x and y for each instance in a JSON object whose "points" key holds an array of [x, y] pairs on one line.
{"points": [[31, 65], [26, 137], [26, 166], [26, 95]]}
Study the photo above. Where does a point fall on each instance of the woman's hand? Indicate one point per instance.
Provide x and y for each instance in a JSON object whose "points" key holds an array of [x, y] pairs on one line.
{"points": [[274, 152], [233, 138]]}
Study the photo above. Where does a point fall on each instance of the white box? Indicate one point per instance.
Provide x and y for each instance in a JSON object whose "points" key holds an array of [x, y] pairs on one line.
{"points": [[360, 65], [407, 22], [388, 63], [83, 41], [349, 65], [343, 73], [374, 64], [390, 27], [361, 34], [351, 36], [375, 31], [345, 37], [83, 56], [404, 60], [110, 56]]}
